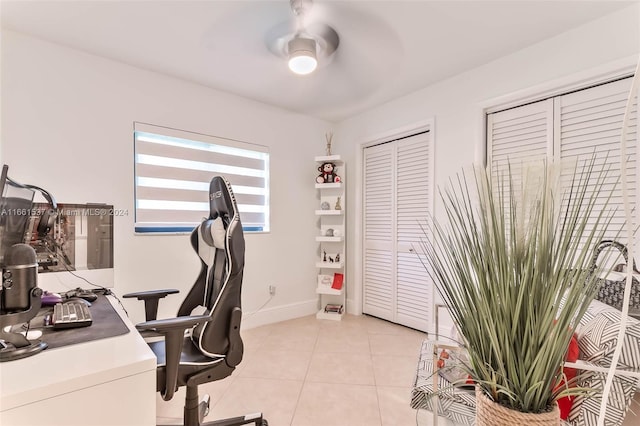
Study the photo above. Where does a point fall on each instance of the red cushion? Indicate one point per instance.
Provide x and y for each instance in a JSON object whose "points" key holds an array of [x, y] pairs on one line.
{"points": [[573, 353], [565, 404]]}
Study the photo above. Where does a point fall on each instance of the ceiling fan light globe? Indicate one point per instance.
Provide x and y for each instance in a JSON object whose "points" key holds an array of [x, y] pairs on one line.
{"points": [[302, 64], [302, 55]]}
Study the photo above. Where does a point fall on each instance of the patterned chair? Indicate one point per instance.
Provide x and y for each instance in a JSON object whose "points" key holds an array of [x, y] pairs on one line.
{"points": [[597, 338]]}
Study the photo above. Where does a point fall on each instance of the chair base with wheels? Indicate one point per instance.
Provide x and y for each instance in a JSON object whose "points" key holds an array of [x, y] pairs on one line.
{"points": [[195, 412], [194, 368]]}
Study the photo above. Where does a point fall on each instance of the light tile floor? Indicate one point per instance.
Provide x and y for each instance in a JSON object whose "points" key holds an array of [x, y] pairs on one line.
{"points": [[633, 417], [308, 372], [305, 372]]}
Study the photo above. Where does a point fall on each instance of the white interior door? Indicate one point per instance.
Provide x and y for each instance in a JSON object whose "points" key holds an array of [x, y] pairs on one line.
{"points": [[398, 193], [590, 121], [571, 128], [379, 231]]}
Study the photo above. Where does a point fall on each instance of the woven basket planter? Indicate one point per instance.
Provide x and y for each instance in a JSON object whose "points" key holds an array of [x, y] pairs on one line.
{"points": [[489, 413]]}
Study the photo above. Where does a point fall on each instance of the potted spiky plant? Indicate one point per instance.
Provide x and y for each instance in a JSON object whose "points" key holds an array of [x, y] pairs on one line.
{"points": [[511, 263]]}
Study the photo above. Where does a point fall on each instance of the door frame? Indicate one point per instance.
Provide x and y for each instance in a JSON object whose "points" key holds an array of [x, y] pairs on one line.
{"points": [[386, 136]]}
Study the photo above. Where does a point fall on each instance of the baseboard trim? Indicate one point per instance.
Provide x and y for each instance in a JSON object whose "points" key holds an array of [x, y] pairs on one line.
{"points": [[279, 313]]}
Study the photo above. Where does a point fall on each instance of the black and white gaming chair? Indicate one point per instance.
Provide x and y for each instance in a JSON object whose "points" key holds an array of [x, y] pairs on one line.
{"points": [[213, 348]]}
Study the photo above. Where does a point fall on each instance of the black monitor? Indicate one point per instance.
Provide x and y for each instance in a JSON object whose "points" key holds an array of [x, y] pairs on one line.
{"points": [[80, 239], [16, 204]]}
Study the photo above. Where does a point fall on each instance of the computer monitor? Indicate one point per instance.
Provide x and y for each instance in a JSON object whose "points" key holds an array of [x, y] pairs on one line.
{"points": [[16, 203], [80, 240]]}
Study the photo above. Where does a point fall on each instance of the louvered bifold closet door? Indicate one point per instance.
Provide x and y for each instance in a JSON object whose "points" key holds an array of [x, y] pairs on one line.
{"points": [[590, 121], [398, 197], [379, 230], [413, 206], [519, 137]]}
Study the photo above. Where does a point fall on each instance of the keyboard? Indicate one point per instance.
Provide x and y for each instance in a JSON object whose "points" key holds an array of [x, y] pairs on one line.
{"points": [[71, 315]]}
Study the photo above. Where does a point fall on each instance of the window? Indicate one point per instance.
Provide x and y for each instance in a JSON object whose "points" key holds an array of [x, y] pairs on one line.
{"points": [[569, 128], [173, 169]]}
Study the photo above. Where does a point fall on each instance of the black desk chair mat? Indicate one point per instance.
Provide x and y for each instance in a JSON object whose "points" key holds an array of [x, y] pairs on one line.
{"points": [[106, 323]]}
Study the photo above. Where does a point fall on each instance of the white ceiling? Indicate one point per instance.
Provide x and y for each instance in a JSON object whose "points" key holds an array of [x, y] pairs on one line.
{"points": [[387, 48]]}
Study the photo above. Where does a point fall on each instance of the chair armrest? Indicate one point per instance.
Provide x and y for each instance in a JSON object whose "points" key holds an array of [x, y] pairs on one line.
{"points": [[442, 344], [150, 299], [167, 325], [173, 331], [589, 366]]}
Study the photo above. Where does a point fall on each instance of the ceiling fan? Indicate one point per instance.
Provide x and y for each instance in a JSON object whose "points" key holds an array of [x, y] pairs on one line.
{"points": [[304, 42]]}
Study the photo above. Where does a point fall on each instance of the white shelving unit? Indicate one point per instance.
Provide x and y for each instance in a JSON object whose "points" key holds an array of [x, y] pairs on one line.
{"points": [[329, 212], [330, 265], [330, 236], [329, 239]]}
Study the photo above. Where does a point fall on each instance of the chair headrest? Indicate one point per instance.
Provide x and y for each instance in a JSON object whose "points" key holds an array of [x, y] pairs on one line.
{"points": [[221, 199], [213, 233]]}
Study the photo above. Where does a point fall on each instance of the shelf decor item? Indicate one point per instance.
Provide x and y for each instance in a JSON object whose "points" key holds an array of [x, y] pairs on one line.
{"points": [[512, 267], [337, 281], [328, 173], [338, 206], [337, 309], [328, 137], [325, 281]]}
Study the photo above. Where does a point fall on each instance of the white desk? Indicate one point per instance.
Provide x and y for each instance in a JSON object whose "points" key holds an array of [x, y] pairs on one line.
{"points": [[108, 382]]}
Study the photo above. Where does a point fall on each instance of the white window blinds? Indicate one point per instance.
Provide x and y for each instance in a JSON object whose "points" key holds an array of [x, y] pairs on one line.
{"points": [[173, 169]]}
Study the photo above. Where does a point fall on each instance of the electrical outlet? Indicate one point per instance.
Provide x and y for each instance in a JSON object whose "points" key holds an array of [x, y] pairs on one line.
{"points": [[272, 290]]}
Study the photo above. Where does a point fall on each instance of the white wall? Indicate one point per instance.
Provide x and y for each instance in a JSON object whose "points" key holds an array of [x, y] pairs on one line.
{"points": [[67, 126], [456, 104]]}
